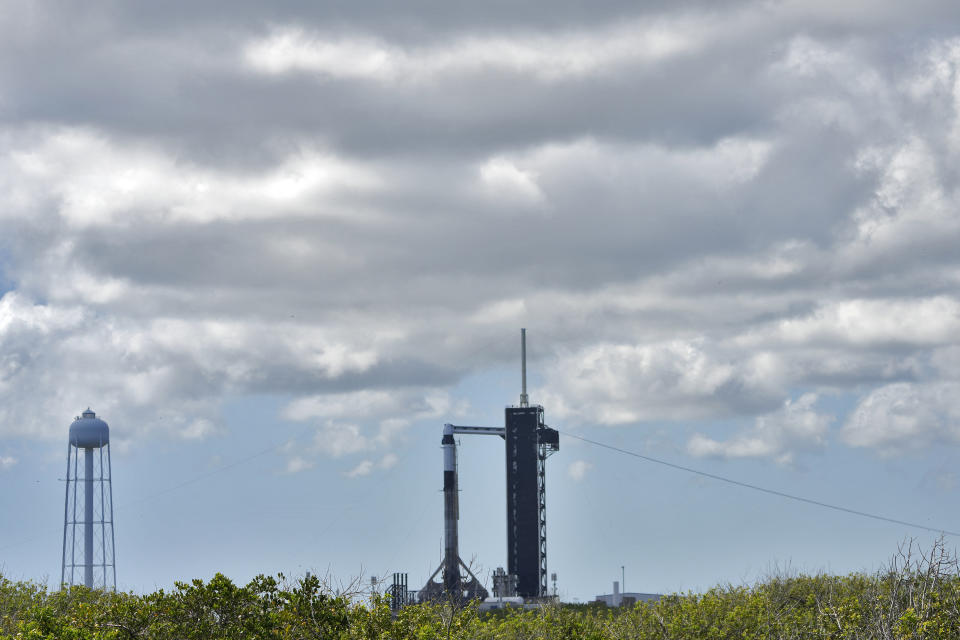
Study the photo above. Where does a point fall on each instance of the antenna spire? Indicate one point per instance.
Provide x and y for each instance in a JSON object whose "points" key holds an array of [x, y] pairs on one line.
{"points": [[524, 401]]}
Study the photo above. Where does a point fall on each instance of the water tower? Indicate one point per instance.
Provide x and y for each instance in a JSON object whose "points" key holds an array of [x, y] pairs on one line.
{"points": [[88, 546]]}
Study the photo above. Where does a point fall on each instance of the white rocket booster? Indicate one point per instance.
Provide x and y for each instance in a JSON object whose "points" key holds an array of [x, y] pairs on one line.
{"points": [[451, 512]]}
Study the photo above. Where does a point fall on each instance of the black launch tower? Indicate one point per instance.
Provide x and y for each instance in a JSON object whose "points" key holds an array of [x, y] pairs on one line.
{"points": [[529, 442]]}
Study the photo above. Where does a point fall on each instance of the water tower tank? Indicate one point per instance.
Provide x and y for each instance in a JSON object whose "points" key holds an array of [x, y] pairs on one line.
{"points": [[89, 432]]}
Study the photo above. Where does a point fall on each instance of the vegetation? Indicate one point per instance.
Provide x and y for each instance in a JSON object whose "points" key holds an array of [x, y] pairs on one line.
{"points": [[916, 596]]}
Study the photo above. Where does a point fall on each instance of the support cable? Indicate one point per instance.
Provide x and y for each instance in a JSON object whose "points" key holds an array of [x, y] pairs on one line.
{"points": [[754, 487]]}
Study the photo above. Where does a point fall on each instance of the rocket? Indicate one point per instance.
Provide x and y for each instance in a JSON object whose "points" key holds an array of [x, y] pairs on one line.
{"points": [[451, 512]]}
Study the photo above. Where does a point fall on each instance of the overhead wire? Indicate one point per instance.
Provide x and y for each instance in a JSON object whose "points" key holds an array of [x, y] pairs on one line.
{"points": [[755, 487]]}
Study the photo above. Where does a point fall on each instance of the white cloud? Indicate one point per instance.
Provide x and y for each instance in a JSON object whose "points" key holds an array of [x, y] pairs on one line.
{"points": [[546, 57], [500, 311], [577, 470], [502, 179], [806, 57], [797, 427], [199, 429], [340, 439], [364, 468], [366, 422], [937, 81], [645, 170], [7, 462], [903, 417], [358, 404], [624, 383], [388, 461], [905, 320], [18, 316], [392, 412], [913, 209], [168, 372], [296, 464], [98, 182]]}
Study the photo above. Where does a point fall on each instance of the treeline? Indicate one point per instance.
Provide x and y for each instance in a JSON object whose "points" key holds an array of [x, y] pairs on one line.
{"points": [[916, 596]]}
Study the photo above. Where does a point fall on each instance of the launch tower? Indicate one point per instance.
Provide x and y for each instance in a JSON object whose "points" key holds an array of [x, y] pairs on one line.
{"points": [[528, 444]]}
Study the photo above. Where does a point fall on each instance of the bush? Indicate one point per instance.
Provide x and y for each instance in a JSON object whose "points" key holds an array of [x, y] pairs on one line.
{"points": [[916, 597]]}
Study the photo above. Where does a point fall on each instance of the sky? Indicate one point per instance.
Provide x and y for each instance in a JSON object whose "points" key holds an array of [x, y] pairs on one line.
{"points": [[277, 246]]}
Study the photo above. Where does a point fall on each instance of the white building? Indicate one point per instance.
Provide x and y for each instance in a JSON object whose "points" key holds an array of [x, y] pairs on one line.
{"points": [[628, 598]]}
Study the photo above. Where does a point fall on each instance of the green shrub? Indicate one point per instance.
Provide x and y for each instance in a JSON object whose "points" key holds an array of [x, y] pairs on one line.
{"points": [[916, 598]]}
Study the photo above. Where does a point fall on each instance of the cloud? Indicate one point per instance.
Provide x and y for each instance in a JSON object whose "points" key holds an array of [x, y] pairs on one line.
{"points": [[7, 462], [780, 435], [904, 417], [923, 321], [366, 467], [503, 179], [389, 461], [577, 470], [364, 422], [362, 469], [199, 429], [626, 383], [338, 440], [296, 464], [97, 182], [547, 57], [700, 212]]}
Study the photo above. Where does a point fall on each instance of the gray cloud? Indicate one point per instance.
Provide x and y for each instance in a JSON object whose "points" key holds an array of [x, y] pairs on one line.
{"points": [[701, 210]]}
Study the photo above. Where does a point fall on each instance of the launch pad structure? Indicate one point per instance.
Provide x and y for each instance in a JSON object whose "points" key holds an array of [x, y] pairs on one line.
{"points": [[528, 444]]}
